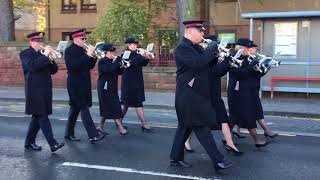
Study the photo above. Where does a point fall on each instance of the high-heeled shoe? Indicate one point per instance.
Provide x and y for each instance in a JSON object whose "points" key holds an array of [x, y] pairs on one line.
{"points": [[189, 150], [234, 151], [102, 131], [224, 142], [271, 136], [123, 133], [238, 135], [148, 130], [125, 127], [262, 145]]}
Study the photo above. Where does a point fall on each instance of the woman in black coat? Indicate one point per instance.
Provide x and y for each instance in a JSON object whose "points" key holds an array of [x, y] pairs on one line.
{"points": [[109, 68], [132, 86], [218, 71], [246, 81]]}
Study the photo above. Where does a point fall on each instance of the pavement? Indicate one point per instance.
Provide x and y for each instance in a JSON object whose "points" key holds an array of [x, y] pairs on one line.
{"points": [[290, 107], [146, 156]]}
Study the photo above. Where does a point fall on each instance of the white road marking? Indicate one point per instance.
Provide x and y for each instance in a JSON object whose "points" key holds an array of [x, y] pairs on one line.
{"points": [[15, 116], [129, 170]]}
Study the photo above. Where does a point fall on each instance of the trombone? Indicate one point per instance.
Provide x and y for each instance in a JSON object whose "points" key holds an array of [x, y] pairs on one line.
{"points": [[52, 54]]}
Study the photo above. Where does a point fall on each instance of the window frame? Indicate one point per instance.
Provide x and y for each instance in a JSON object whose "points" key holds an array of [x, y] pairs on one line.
{"points": [[87, 10], [70, 10], [286, 56]]}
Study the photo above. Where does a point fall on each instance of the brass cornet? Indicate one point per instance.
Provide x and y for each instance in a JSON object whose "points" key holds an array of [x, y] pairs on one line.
{"points": [[52, 54], [265, 63], [97, 52], [147, 53]]}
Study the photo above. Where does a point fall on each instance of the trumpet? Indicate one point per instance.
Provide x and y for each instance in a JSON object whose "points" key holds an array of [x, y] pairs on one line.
{"points": [[97, 52], [52, 54]]}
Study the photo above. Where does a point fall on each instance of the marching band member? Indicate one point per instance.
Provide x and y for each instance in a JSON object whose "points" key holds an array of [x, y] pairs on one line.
{"points": [[132, 86], [37, 69], [109, 69], [243, 87], [193, 97], [79, 62], [219, 69]]}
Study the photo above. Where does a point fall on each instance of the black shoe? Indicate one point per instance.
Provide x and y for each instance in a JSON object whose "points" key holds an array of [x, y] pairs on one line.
{"points": [[98, 138], [234, 151], [224, 164], [189, 150], [148, 130], [56, 147], [180, 164], [272, 136], [261, 145], [124, 127], [72, 138], [123, 133], [238, 135], [33, 147], [224, 142], [102, 131]]}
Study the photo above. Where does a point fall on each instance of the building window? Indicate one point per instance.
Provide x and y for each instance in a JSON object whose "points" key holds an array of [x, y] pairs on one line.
{"points": [[65, 36], [231, 36], [223, 1], [89, 5], [69, 6], [285, 38]]}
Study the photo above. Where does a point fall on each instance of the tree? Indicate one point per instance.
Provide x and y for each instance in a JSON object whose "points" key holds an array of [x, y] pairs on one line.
{"points": [[10, 10], [6, 21], [186, 10], [124, 18]]}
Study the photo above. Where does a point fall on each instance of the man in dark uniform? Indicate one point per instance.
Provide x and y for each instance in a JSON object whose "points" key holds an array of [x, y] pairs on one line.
{"points": [[192, 101], [132, 86], [244, 85], [79, 62], [37, 68]]}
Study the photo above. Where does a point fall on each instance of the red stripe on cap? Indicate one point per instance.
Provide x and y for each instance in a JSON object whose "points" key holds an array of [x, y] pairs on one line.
{"points": [[194, 25], [35, 37], [78, 34]]}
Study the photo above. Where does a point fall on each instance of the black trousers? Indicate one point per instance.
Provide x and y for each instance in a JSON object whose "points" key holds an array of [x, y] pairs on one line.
{"points": [[40, 122], [205, 138], [86, 120]]}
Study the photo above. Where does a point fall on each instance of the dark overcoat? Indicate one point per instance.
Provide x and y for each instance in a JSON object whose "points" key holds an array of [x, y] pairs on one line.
{"points": [[79, 65], [193, 100], [132, 86], [37, 70], [244, 102], [107, 86], [219, 70]]}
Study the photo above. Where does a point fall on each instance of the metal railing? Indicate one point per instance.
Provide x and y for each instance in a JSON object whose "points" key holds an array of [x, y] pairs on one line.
{"points": [[164, 58]]}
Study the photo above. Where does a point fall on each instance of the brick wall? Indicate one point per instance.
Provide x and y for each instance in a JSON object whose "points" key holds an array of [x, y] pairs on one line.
{"points": [[11, 72]]}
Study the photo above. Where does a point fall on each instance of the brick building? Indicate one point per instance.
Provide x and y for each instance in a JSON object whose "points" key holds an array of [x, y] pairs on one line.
{"points": [[289, 25]]}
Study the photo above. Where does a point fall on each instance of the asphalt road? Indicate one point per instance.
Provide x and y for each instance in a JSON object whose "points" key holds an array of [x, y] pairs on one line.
{"points": [[145, 155]]}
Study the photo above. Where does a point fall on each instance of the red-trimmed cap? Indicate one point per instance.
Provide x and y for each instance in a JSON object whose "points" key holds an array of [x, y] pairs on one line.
{"points": [[36, 36], [78, 33], [198, 24]]}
